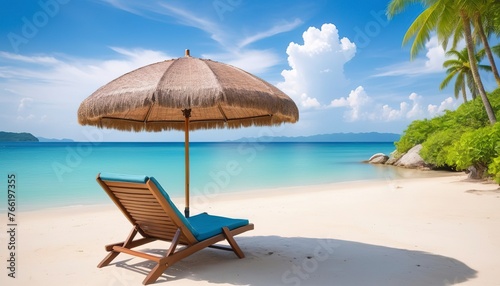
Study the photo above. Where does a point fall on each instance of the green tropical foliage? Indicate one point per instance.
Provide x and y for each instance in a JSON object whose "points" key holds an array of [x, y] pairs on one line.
{"points": [[468, 136], [494, 168], [437, 147], [476, 148], [416, 133], [458, 139]]}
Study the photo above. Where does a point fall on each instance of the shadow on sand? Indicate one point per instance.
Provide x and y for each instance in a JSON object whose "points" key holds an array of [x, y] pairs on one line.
{"points": [[275, 260]]}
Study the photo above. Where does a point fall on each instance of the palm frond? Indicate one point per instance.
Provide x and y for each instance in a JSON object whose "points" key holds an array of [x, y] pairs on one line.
{"points": [[484, 67], [445, 27], [459, 83], [481, 54], [453, 53], [447, 79], [496, 49], [398, 6], [471, 84], [421, 28], [452, 63]]}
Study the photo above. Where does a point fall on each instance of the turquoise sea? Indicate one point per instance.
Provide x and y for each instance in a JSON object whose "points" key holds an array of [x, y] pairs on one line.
{"points": [[63, 174]]}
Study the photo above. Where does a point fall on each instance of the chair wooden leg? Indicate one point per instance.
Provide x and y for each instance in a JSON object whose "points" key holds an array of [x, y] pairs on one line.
{"points": [[162, 265], [236, 248], [175, 242], [155, 273], [108, 259], [113, 254]]}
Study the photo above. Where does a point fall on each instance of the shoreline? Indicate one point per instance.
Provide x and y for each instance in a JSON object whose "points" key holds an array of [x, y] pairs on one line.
{"points": [[424, 231], [263, 193], [400, 173], [199, 202]]}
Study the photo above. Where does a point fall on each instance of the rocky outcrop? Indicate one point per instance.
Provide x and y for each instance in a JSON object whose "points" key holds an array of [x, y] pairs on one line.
{"points": [[410, 159], [379, 158], [393, 158]]}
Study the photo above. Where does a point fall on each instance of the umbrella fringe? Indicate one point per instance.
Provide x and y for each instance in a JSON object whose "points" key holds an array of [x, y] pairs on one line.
{"points": [[126, 125]]}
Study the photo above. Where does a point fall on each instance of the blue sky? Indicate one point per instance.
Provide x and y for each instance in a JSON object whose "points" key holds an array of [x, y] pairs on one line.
{"points": [[341, 61]]}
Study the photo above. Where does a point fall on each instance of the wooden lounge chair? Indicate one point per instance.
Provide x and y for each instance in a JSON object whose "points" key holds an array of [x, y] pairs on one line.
{"points": [[153, 215]]}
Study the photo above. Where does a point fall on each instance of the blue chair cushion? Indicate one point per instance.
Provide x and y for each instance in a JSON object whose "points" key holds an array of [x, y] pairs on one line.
{"points": [[123, 178], [210, 225], [176, 210], [202, 226]]}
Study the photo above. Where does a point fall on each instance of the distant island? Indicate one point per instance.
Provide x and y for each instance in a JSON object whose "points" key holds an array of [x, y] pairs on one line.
{"points": [[43, 139], [27, 137], [17, 137], [334, 137]]}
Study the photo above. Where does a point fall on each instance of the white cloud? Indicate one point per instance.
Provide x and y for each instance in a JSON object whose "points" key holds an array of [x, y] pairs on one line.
{"points": [[25, 59], [30, 90], [447, 104], [436, 55], [25, 101], [317, 66], [416, 109], [308, 102], [278, 29], [433, 63], [253, 61], [191, 19], [361, 107], [390, 114], [231, 38], [412, 110], [356, 103], [77, 71]]}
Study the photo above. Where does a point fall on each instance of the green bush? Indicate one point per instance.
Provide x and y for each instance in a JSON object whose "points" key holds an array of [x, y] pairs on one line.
{"points": [[458, 139], [416, 133], [435, 149], [494, 169], [476, 148], [470, 114]]}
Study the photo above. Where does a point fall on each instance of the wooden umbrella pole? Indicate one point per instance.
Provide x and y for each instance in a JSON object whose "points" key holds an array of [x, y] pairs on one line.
{"points": [[187, 114]]}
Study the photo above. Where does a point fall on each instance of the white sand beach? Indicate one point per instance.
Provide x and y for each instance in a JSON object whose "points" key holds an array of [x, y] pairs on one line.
{"points": [[426, 231]]}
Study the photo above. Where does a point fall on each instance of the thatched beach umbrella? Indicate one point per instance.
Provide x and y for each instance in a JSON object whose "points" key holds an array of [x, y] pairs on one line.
{"points": [[187, 93]]}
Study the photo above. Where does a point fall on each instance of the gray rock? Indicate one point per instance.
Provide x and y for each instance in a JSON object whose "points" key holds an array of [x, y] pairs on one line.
{"points": [[412, 158], [379, 158], [393, 157], [475, 172]]}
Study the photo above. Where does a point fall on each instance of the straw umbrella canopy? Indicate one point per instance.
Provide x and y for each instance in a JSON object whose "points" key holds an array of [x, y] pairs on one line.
{"points": [[187, 94]]}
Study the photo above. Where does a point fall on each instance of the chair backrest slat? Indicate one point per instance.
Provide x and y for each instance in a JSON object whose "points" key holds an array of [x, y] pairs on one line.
{"points": [[146, 207]]}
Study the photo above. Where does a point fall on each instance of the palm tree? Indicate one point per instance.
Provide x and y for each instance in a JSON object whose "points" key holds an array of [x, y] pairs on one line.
{"points": [[459, 67], [487, 10], [483, 17], [464, 16], [441, 16], [484, 14]]}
